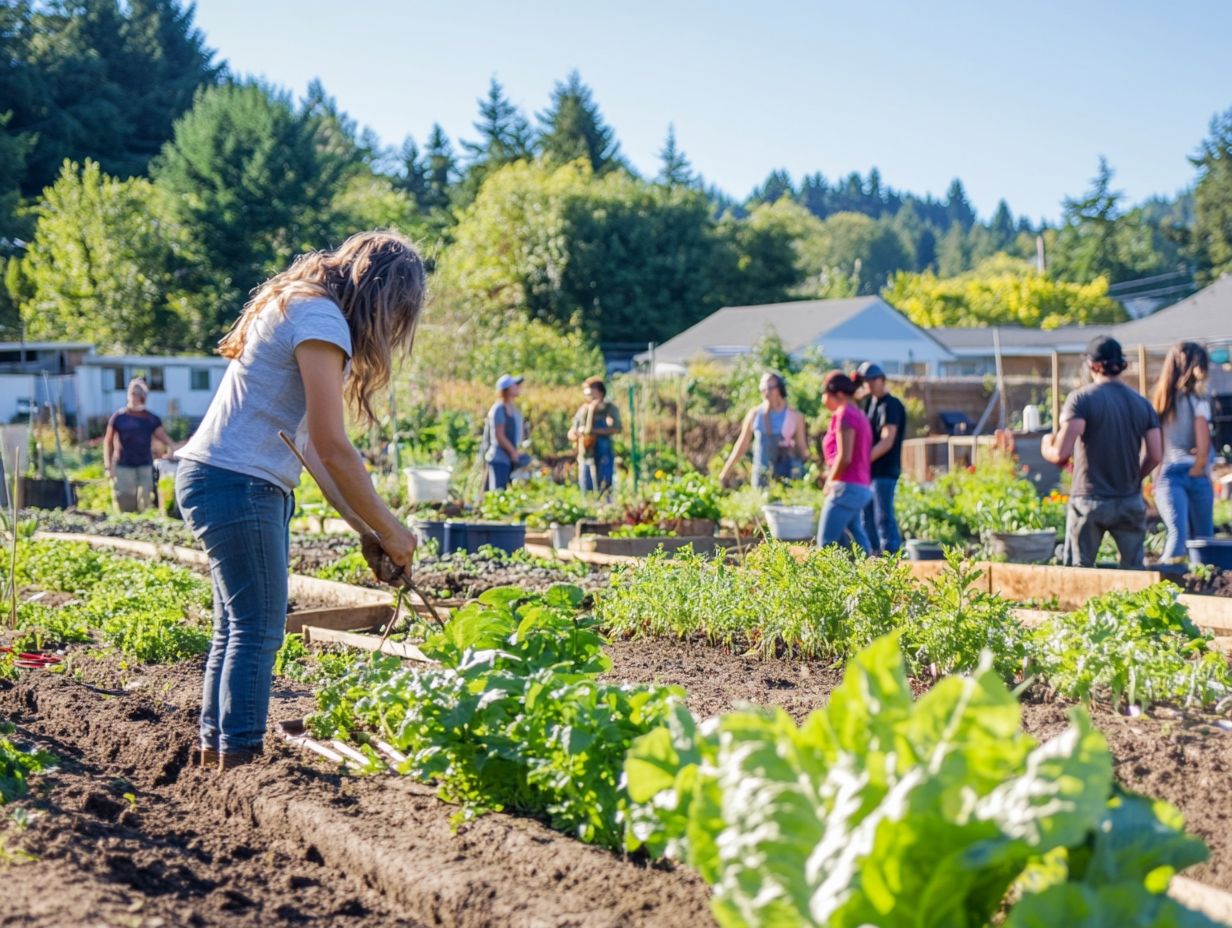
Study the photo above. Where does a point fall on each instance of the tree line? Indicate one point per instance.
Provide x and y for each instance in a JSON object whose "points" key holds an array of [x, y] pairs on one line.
{"points": [[145, 190]]}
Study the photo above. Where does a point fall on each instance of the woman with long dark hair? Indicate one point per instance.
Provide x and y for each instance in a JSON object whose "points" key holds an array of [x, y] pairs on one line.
{"points": [[314, 338], [1184, 494], [847, 447]]}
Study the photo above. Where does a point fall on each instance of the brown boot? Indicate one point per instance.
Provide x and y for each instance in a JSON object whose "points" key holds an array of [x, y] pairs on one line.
{"points": [[228, 760], [207, 757]]}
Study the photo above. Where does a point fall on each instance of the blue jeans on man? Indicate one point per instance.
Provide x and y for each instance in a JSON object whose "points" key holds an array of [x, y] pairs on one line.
{"points": [[599, 469], [843, 515], [1187, 506], [879, 520], [244, 524]]}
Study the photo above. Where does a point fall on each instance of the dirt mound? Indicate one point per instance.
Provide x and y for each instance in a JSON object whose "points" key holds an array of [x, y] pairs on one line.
{"points": [[140, 835]]}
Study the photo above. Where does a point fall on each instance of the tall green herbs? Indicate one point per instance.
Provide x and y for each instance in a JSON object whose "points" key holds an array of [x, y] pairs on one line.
{"points": [[822, 605], [514, 718], [881, 810]]}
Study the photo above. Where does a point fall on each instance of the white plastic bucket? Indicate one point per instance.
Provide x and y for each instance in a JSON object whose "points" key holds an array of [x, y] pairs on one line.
{"points": [[561, 535], [427, 484], [791, 523]]}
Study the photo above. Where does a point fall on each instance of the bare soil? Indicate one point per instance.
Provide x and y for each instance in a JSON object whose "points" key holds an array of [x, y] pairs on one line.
{"points": [[283, 841]]}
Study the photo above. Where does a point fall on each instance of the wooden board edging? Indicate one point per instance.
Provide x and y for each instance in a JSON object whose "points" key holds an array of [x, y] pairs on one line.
{"points": [[366, 643]]}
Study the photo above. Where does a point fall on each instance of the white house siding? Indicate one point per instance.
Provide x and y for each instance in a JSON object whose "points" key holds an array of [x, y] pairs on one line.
{"points": [[18, 391], [103, 386]]}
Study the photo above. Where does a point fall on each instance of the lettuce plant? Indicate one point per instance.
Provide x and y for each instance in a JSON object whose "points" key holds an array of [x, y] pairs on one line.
{"points": [[881, 810]]}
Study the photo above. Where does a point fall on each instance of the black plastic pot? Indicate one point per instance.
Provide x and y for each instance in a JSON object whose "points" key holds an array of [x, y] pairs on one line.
{"points": [[919, 549], [46, 494]]}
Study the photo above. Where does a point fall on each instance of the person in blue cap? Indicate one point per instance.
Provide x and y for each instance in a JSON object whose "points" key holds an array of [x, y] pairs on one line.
{"points": [[502, 433], [888, 417]]}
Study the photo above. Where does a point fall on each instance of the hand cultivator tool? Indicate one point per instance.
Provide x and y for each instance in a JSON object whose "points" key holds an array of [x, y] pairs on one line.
{"points": [[383, 568], [32, 660]]}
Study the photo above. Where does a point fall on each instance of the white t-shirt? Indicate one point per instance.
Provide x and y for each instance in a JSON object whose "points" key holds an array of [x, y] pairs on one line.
{"points": [[262, 394]]}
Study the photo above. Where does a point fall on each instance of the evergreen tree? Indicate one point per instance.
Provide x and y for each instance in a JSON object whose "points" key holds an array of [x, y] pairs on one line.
{"points": [[1086, 242], [1212, 200], [814, 195], [1002, 227], [441, 168], [413, 174], [504, 132], [775, 187], [572, 128], [953, 256], [252, 186], [675, 170], [957, 208], [101, 80]]}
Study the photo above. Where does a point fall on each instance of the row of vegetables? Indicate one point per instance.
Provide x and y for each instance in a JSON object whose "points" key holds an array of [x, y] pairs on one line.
{"points": [[879, 809]]}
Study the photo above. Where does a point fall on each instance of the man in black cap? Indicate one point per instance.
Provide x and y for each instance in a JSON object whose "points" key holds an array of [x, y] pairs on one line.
{"points": [[1114, 437], [888, 417]]}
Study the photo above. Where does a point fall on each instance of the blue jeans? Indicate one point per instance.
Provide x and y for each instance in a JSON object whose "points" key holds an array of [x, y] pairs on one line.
{"points": [[843, 514], [498, 474], [879, 520], [782, 469], [602, 467], [1187, 506], [244, 524]]}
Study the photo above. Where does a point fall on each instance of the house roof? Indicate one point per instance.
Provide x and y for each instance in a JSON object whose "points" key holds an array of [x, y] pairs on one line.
{"points": [[1206, 317], [47, 346], [134, 360], [733, 330], [978, 342]]}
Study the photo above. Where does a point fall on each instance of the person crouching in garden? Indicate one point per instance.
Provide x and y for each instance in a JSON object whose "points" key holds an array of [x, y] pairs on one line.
{"points": [[1184, 493], [594, 424], [128, 453], [777, 433], [502, 433], [313, 339], [888, 418], [1113, 435], [846, 447]]}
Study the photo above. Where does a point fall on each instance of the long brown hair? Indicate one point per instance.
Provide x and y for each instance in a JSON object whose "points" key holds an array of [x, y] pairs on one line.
{"points": [[378, 281], [1183, 373]]}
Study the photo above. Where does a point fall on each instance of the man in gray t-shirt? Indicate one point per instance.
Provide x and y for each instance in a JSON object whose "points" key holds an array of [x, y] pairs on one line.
{"points": [[1114, 437]]}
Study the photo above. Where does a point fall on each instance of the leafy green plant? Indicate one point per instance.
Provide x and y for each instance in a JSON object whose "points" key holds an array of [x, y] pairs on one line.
{"points": [[881, 810], [1138, 648], [16, 765], [643, 530], [148, 610], [514, 718]]}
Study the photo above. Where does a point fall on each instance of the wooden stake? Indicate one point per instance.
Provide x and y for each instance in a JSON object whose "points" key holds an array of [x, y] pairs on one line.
{"points": [[1142, 386], [1056, 391], [680, 401]]}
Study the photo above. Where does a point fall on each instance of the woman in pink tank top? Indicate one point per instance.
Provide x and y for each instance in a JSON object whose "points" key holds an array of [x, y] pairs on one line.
{"points": [[847, 449]]}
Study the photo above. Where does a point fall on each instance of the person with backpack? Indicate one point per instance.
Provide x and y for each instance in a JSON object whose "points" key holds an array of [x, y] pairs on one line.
{"points": [[1184, 493], [1113, 435], [777, 434], [888, 417]]}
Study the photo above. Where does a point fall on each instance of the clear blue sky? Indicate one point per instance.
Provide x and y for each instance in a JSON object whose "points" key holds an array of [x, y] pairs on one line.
{"points": [[1018, 100]]}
